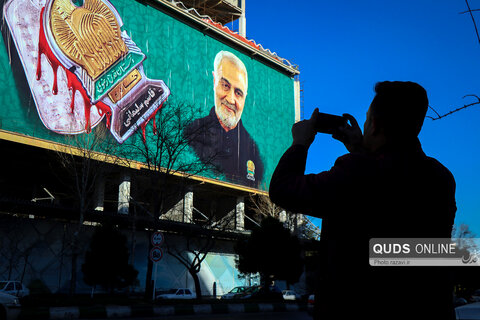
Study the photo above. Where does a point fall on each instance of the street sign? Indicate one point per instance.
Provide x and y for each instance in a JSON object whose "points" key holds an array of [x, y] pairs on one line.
{"points": [[156, 254], [157, 239]]}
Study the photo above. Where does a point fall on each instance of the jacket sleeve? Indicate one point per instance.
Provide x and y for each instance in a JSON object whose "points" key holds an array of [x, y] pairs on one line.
{"points": [[313, 194]]}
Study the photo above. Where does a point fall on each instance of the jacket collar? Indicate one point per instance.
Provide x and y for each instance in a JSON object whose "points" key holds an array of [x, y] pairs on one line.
{"points": [[406, 146]]}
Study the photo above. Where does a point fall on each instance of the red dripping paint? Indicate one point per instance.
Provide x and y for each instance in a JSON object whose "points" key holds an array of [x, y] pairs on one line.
{"points": [[73, 83], [103, 109], [45, 49], [144, 125], [153, 117], [154, 121]]}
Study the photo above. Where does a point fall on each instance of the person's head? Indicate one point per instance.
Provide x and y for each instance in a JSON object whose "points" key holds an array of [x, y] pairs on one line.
{"points": [[230, 84], [396, 113]]}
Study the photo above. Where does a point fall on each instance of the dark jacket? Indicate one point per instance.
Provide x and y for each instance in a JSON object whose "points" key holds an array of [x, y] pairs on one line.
{"points": [[397, 192], [232, 152]]}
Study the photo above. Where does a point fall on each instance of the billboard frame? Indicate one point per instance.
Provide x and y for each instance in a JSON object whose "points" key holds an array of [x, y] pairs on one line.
{"points": [[211, 30], [132, 164], [207, 28]]}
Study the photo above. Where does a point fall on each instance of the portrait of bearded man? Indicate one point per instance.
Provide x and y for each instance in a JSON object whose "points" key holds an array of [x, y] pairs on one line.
{"points": [[220, 138]]}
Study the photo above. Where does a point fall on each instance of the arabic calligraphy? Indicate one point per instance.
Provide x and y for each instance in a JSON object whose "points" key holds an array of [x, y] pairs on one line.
{"points": [[124, 87], [113, 74], [139, 106]]}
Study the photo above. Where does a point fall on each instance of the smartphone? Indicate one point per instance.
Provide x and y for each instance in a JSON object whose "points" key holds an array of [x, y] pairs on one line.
{"points": [[329, 123]]}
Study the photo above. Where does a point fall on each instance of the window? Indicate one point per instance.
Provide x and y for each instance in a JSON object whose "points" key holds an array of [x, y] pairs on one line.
{"points": [[180, 292]]}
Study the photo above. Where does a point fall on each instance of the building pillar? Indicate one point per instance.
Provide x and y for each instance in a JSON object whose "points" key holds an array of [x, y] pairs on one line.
{"points": [[240, 214], [124, 194], [298, 224], [182, 210], [188, 205], [297, 99], [242, 27], [99, 196]]}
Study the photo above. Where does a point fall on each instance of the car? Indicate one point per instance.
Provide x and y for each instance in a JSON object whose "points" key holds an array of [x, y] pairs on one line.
{"points": [[247, 294], [180, 293], [234, 293], [265, 293], [475, 296], [468, 311], [9, 306], [290, 295], [14, 288], [459, 301]]}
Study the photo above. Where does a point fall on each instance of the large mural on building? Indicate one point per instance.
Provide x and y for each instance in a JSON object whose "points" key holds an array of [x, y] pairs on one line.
{"points": [[68, 50], [71, 66]]}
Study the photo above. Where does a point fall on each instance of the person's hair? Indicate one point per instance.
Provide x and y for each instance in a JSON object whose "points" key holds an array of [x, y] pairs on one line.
{"points": [[399, 108], [234, 59]]}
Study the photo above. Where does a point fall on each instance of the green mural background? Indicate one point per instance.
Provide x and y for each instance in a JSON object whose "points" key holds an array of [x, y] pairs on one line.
{"points": [[182, 57]]}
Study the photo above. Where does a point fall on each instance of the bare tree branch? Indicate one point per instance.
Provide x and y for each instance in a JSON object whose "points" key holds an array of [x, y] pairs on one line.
{"points": [[473, 19], [262, 206], [202, 246], [472, 10], [438, 116], [84, 158], [458, 109], [164, 150]]}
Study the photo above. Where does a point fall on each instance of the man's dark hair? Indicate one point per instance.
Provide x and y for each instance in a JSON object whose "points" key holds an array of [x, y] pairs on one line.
{"points": [[399, 108]]}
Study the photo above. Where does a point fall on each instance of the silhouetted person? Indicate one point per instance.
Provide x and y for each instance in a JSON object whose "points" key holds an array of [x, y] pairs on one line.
{"points": [[386, 187]]}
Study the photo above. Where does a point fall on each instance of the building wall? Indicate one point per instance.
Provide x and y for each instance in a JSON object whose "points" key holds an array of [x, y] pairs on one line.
{"points": [[179, 51], [38, 249]]}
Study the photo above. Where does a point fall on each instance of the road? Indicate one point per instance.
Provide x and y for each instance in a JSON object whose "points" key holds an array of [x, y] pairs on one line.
{"points": [[301, 315]]}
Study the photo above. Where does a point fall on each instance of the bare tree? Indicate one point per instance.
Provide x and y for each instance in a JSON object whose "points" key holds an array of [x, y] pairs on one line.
{"points": [[192, 254], [263, 207], [163, 147], [199, 242], [82, 159], [164, 152], [311, 231], [464, 237], [465, 279]]}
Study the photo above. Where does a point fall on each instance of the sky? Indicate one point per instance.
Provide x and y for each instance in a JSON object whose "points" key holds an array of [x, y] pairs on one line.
{"points": [[343, 48]]}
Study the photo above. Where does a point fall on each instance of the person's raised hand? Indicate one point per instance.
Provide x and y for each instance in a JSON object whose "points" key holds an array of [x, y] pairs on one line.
{"points": [[350, 135], [303, 132]]}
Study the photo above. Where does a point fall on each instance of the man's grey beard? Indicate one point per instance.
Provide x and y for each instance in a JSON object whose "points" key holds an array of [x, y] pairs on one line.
{"points": [[228, 120]]}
